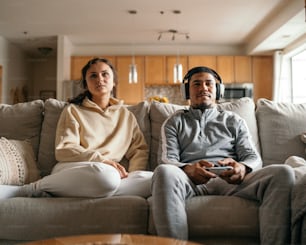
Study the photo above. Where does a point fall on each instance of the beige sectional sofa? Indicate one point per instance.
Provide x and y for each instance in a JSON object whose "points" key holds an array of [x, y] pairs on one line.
{"points": [[275, 128]]}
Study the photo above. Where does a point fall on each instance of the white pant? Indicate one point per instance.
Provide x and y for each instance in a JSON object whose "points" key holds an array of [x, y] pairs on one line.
{"points": [[93, 179]]}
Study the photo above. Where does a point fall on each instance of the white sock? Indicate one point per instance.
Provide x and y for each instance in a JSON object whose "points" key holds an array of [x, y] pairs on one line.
{"points": [[29, 190], [9, 191]]}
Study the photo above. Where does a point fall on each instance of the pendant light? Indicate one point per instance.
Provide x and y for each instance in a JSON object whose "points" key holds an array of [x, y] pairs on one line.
{"points": [[178, 67], [132, 67]]}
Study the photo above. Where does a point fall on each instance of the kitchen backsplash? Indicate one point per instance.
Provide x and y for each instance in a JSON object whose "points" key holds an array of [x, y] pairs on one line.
{"points": [[173, 93]]}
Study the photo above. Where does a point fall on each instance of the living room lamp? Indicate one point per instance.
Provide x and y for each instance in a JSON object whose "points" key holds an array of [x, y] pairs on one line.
{"points": [[132, 67]]}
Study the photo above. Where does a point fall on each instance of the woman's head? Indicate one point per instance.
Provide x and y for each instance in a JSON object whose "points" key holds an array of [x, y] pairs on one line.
{"points": [[95, 61], [98, 79]]}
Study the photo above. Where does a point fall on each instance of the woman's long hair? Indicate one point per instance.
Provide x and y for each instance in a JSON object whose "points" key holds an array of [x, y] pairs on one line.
{"points": [[79, 98]]}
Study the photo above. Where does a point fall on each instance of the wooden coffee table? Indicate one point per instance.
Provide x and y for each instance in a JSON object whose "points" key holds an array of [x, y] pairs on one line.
{"points": [[111, 239]]}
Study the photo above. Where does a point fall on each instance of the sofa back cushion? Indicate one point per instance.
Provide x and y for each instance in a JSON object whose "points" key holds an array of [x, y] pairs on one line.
{"points": [[53, 109], [46, 155], [280, 126], [22, 122], [244, 107]]}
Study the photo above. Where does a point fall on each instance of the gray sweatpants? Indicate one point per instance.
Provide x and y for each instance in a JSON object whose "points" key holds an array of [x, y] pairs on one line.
{"points": [[270, 186]]}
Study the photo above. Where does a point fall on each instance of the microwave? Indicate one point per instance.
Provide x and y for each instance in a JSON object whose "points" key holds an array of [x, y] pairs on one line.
{"points": [[233, 91]]}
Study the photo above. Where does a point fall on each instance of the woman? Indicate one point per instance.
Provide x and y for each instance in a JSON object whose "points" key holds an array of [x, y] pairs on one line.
{"points": [[94, 133]]}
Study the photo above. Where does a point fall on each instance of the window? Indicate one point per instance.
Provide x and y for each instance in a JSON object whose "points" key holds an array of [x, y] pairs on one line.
{"points": [[298, 71]]}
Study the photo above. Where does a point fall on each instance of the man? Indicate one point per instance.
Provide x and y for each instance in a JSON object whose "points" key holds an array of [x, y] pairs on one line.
{"points": [[196, 139]]}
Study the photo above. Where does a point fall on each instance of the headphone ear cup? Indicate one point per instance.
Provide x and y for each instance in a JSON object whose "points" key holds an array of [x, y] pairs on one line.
{"points": [[222, 88], [219, 90], [185, 91]]}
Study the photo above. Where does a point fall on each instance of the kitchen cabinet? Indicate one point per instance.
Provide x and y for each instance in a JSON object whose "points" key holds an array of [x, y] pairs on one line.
{"points": [[131, 93], [242, 69], [201, 60], [77, 63], [170, 62], [225, 68], [262, 76], [158, 70], [155, 70]]}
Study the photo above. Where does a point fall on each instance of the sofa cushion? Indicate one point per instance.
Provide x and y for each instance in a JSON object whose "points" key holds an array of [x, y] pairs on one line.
{"points": [[158, 114], [46, 155], [211, 216], [22, 121], [42, 218], [17, 162], [280, 126], [235, 216], [244, 107], [141, 112]]}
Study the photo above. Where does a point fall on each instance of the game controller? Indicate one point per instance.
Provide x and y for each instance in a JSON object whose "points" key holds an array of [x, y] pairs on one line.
{"points": [[219, 170]]}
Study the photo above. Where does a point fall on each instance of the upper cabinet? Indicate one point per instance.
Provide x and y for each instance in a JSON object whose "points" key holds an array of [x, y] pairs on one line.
{"points": [[130, 93], [242, 69], [200, 60], [225, 68], [77, 63], [158, 70], [262, 76], [155, 70]]}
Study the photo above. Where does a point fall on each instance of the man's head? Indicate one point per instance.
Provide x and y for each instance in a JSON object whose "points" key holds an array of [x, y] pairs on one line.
{"points": [[203, 86]]}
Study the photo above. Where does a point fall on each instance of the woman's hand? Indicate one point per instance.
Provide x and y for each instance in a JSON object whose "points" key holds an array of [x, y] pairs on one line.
{"points": [[122, 171], [234, 176]]}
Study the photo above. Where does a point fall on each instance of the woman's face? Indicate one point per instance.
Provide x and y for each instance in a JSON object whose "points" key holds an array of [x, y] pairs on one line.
{"points": [[100, 79]]}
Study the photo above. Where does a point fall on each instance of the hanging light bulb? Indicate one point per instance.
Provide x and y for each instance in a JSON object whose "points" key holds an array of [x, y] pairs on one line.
{"points": [[132, 68], [178, 68], [133, 73], [178, 73]]}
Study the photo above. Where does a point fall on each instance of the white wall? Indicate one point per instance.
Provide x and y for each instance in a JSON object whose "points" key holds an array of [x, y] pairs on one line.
{"points": [[43, 76], [64, 49], [156, 49], [16, 70]]}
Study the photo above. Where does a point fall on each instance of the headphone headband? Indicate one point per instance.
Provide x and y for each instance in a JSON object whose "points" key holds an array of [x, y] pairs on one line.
{"points": [[201, 69], [191, 72]]}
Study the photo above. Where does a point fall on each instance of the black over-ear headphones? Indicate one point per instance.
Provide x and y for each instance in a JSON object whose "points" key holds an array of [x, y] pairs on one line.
{"points": [[185, 85]]}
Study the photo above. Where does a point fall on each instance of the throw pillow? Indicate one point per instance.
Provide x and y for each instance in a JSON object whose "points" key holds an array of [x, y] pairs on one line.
{"points": [[280, 125], [46, 154], [22, 121], [17, 162]]}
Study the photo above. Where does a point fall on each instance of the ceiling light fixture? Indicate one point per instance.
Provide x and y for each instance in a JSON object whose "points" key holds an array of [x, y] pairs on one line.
{"points": [[45, 51], [173, 33], [178, 67], [132, 67]]}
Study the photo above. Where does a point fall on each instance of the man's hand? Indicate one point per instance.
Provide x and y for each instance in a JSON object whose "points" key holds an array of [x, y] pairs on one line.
{"points": [[197, 173], [234, 176]]}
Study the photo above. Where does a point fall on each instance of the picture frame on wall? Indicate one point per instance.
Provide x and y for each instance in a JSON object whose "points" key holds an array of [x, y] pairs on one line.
{"points": [[47, 94]]}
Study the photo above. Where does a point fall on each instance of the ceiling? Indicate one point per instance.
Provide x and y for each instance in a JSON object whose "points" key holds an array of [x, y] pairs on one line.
{"points": [[254, 27]]}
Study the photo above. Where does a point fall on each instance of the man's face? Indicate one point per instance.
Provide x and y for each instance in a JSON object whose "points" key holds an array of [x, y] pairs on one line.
{"points": [[202, 90]]}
